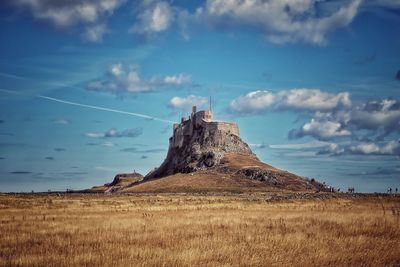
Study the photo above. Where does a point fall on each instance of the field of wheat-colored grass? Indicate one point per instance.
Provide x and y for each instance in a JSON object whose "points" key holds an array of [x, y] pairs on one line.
{"points": [[195, 230]]}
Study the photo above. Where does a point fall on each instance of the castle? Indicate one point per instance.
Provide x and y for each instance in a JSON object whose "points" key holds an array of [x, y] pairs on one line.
{"points": [[196, 121]]}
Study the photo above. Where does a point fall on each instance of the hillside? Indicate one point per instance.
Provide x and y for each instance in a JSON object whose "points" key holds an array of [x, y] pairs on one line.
{"points": [[120, 182], [207, 155], [235, 173]]}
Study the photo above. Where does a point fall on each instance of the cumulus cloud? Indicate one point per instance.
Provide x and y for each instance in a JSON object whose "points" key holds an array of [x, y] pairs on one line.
{"points": [[385, 148], [331, 149], [374, 115], [89, 14], [374, 118], [114, 133], [322, 130], [186, 103], [253, 102], [127, 79], [295, 99], [281, 21], [154, 18], [314, 99]]}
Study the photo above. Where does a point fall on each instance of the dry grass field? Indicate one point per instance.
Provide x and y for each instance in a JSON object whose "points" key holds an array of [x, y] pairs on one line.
{"points": [[196, 230]]}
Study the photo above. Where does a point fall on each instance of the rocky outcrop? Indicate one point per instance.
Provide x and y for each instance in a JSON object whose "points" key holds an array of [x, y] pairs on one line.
{"points": [[124, 178], [120, 182], [203, 149], [270, 177]]}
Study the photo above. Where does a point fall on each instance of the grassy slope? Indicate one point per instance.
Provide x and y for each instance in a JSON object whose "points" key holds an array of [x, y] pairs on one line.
{"points": [[200, 181], [184, 230], [218, 179]]}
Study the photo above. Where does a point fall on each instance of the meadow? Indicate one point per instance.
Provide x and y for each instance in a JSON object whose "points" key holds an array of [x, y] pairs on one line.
{"points": [[198, 230]]}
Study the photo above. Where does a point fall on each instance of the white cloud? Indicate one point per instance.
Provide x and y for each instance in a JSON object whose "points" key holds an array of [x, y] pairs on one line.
{"points": [[95, 33], [116, 69], [95, 135], [373, 115], [282, 21], [253, 102], [391, 147], [63, 14], [188, 102], [332, 149], [127, 79], [156, 17], [314, 99], [365, 148], [373, 119], [178, 79], [387, 148], [322, 130], [114, 133], [334, 114], [295, 99]]}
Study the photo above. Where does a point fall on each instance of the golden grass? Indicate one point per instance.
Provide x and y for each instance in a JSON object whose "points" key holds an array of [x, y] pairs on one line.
{"points": [[202, 181], [188, 230]]}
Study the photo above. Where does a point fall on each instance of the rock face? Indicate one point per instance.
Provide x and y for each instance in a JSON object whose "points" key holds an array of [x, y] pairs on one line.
{"points": [[198, 143]]}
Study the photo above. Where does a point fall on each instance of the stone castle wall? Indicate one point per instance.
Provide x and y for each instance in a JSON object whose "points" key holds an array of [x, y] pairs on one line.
{"points": [[227, 127], [201, 120]]}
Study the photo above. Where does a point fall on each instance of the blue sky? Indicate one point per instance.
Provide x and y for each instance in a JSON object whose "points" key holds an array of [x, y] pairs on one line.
{"points": [[314, 86]]}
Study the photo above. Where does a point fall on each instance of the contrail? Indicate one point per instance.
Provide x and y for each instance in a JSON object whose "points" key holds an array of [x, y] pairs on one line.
{"points": [[12, 76], [104, 109], [93, 107]]}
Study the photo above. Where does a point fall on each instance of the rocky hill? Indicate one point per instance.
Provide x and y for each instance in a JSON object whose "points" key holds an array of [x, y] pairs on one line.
{"points": [[207, 155], [120, 182], [202, 149], [210, 155]]}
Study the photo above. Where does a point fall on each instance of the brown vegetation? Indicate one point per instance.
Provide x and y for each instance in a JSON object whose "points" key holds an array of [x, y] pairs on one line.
{"points": [[236, 173], [195, 230]]}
